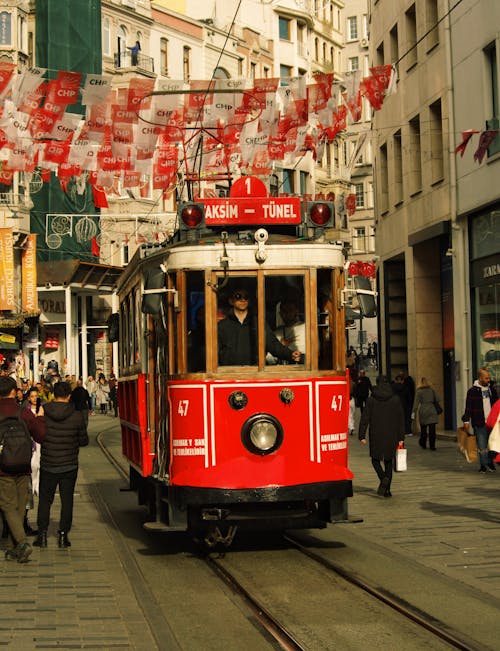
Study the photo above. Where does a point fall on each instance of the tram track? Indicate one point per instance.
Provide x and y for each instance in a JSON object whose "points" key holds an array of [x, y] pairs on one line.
{"points": [[273, 627], [422, 619]]}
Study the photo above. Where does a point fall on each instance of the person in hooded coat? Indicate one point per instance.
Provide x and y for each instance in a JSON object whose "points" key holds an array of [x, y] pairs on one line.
{"points": [[383, 417], [66, 433]]}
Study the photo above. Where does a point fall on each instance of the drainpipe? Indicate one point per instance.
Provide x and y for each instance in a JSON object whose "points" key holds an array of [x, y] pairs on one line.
{"points": [[459, 245]]}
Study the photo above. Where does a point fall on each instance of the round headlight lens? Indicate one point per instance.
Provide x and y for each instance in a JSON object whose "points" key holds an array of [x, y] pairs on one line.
{"points": [[263, 435]]}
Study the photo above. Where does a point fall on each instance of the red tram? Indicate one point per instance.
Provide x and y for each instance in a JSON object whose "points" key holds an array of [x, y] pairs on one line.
{"points": [[251, 436]]}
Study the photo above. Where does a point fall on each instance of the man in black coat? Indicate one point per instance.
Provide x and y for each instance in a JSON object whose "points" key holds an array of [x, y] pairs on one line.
{"points": [[362, 389], [384, 417], [237, 336], [66, 433], [80, 397]]}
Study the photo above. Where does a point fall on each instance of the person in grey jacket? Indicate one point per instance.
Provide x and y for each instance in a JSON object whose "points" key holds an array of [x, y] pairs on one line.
{"points": [[383, 416], [424, 408], [66, 433]]}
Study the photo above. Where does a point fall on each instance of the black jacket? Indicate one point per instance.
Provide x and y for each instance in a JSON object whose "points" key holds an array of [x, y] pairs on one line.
{"points": [[238, 342], [384, 417], [80, 397], [66, 434]]}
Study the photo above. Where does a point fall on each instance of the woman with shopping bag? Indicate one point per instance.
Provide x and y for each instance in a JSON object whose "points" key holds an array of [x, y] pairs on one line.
{"points": [[383, 417]]}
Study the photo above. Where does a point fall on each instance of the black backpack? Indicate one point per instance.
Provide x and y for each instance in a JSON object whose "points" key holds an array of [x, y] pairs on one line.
{"points": [[15, 446]]}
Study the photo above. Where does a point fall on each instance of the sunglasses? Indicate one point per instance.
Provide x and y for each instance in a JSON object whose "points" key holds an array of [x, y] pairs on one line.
{"points": [[240, 296]]}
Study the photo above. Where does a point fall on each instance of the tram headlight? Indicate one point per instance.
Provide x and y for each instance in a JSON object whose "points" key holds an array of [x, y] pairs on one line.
{"points": [[262, 434], [320, 214]]}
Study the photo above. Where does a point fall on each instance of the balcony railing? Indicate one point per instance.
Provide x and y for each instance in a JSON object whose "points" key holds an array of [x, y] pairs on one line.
{"points": [[127, 59]]}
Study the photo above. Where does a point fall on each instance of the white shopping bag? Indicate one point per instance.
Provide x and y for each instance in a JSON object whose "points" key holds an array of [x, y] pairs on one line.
{"points": [[401, 460]]}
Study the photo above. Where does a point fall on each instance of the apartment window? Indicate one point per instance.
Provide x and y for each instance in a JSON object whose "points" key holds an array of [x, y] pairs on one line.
{"points": [[384, 179], [411, 37], [359, 240], [352, 28], [365, 26], [360, 195], [353, 63], [394, 44], [493, 98], [288, 186], [285, 74], [186, 62], [106, 37], [436, 132], [379, 55], [431, 19], [316, 49], [253, 70], [371, 240], [125, 255], [164, 56], [415, 156], [303, 182], [284, 27], [240, 67], [398, 167], [266, 72]]}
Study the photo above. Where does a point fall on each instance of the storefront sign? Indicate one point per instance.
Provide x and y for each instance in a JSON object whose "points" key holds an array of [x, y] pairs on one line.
{"points": [[486, 271], [7, 301], [30, 301]]}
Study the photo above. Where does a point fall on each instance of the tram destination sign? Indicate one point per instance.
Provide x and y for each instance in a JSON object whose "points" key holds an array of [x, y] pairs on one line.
{"points": [[264, 211]]}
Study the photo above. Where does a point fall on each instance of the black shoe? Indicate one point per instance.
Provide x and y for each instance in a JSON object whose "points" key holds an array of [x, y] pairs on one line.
{"points": [[432, 447], [23, 551], [482, 469], [41, 540], [383, 486], [29, 531], [62, 539], [387, 493], [491, 467]]}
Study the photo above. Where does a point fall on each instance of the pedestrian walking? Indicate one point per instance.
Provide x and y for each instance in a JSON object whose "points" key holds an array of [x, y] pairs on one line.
{"points": [[479, 400], [66, 433], [102, 395], [383, 418], [424, 407], [14, 484], [80, 397], [362, 389]]}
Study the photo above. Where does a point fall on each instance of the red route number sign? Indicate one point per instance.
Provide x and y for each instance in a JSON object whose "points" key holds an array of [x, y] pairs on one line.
{"points": [[248, 203]]}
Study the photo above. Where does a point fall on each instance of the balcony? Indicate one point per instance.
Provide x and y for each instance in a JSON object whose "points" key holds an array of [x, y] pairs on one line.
{"points": [[126, 61]]}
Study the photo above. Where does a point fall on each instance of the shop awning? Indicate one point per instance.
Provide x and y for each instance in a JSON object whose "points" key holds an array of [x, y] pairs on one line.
{"points": [[85, 275]]}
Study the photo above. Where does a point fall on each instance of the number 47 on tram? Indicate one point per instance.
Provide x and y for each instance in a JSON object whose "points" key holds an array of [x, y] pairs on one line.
{"points": [[233, 391]]}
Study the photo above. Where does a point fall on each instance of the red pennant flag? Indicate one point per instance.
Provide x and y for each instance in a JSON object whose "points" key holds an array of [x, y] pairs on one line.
{"points": [[100, 199], [466, 136], [485, 140], [94, 248]]}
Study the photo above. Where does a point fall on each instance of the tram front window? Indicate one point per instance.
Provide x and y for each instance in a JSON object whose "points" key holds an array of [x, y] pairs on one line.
{"points": [[237, 330], [237, 333]]}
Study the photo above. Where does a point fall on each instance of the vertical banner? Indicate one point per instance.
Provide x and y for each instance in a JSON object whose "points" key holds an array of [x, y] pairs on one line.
{"points": [[29, 300], [6, 270]]}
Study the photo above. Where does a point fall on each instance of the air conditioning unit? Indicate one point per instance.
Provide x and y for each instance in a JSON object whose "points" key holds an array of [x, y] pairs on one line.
{"points": [[364, 42]]}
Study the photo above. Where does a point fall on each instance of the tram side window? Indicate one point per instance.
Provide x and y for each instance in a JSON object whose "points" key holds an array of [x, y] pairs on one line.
{"points": [[285, 316], [237, 334], [326, 319], [196, 340]]}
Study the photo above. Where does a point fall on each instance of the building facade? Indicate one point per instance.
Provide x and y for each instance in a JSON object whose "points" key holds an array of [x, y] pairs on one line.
{"points": [[430, 204]]}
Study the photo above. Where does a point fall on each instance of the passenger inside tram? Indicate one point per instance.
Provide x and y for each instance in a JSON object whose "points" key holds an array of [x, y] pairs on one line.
{"points": [[290, 327], [237, 335]]}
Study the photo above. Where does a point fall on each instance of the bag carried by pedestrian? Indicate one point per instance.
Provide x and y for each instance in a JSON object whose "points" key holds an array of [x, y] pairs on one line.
{"points": [[401, 458], [15, 446], [437, 406], [467, 445]]}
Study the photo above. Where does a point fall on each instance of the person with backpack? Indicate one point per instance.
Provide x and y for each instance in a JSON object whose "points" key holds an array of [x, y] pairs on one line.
{"points": [[66, 434], [18, 429]]}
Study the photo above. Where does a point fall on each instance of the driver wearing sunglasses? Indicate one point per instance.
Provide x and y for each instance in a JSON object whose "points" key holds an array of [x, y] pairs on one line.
{"points": [[237, 336]]}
